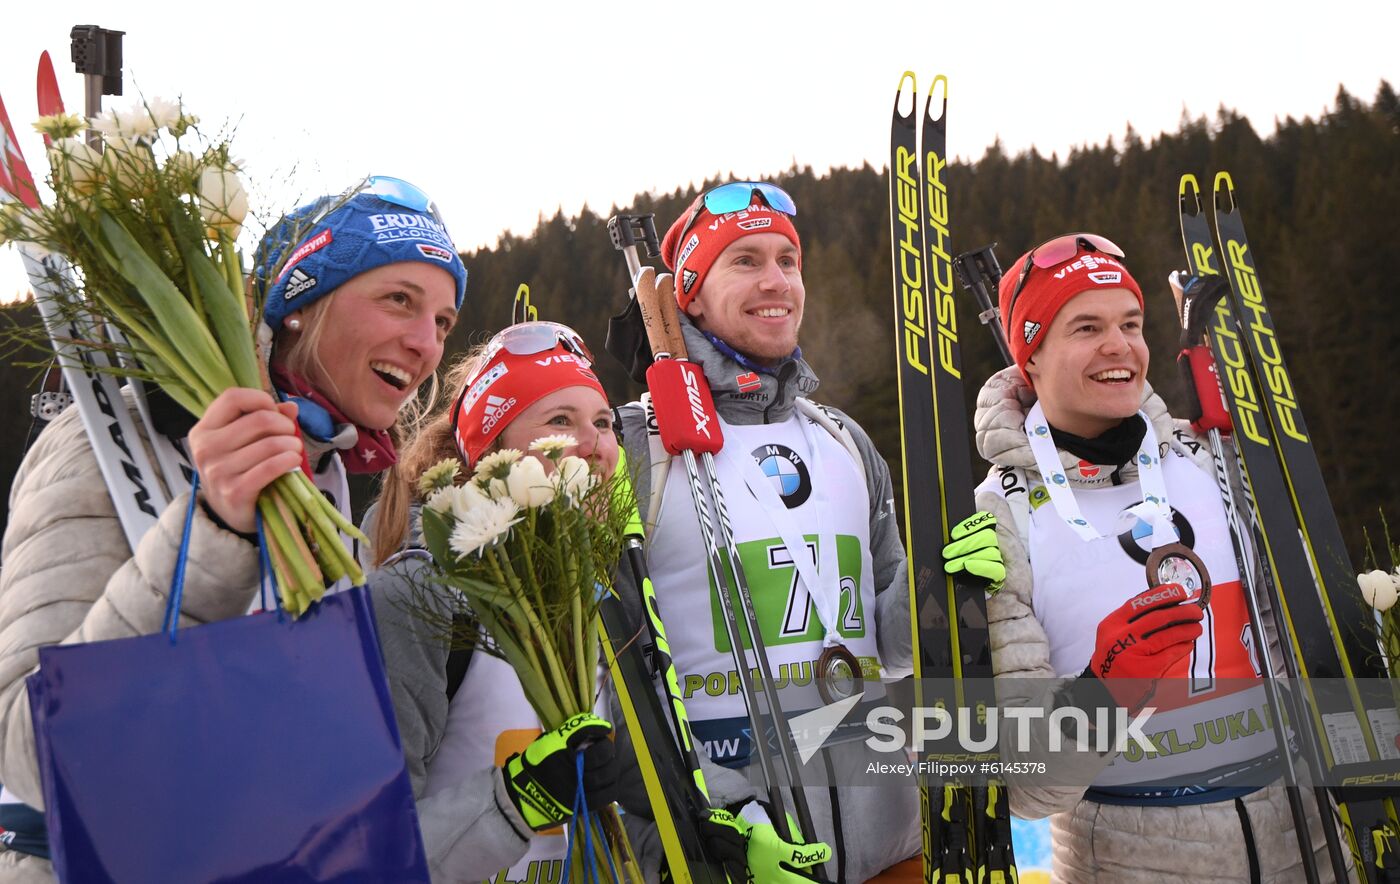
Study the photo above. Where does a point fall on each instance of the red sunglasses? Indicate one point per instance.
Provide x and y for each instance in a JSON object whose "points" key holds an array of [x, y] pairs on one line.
{"points": [[1054, 252]]}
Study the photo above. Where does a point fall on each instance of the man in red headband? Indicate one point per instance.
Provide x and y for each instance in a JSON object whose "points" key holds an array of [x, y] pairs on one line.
{"points": [[1092, 484], [809, 499]]}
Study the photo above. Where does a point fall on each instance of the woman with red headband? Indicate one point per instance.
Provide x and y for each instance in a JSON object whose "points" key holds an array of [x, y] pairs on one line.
{"points": [[475, 751]]}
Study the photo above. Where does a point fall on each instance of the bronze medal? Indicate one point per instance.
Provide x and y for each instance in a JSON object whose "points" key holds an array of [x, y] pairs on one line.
{"points": [[838, 674], [1177, 563]]}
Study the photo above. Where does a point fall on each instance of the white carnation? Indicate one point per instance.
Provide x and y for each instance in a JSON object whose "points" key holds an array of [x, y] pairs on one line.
{"points": [[483, 526], [554, 446], [466, 498], [163, 112]]}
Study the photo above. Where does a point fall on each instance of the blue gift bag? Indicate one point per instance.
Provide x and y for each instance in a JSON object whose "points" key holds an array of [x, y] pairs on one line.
{"points": [[255, 749]]}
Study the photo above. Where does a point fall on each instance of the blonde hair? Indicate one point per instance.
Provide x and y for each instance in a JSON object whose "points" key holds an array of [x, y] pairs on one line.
{"points": [[430, 440]]}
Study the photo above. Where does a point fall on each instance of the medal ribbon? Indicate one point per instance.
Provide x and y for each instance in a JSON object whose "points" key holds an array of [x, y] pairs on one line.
{"points": [[825, 595], [1155, 510]]}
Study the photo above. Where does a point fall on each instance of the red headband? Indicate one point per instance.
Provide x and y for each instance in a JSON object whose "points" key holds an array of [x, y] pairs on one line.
{"points": [[506, 386], [709, 235], [1047, 291]]}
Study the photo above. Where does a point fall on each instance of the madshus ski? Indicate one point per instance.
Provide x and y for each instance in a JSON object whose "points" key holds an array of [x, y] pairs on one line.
{"points": [[137, 490], [1311, 584], [966, 824]]}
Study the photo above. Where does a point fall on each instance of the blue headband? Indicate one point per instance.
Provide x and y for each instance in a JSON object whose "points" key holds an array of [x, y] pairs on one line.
{"points": [[312, 255]]}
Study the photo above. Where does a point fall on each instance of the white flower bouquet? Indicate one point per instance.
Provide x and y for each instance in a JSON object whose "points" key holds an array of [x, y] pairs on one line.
{"points": [[149, 224], [528, 554]]}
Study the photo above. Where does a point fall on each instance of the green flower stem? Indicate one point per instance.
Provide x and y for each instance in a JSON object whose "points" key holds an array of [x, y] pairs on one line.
{"points": [[313, 511], [532, 682], [226, 316], [314, 502], [294, 572], [306, 580], [509, 603], [583, 672], [143, 332], [506, 575], [173, 314], [231, 263]]}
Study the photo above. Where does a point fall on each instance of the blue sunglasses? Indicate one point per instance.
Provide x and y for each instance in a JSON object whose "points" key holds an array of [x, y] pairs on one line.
{"points": [[737, 196], [400, 193]]}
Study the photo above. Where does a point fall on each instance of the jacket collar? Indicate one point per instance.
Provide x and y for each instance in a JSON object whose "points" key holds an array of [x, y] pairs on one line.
{"points": [[745, 393], [1000, 419]]}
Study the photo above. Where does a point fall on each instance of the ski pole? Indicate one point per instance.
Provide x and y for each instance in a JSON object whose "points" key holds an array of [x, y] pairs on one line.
{"points": [[1194, 309], [635, 669], [980, 274]]}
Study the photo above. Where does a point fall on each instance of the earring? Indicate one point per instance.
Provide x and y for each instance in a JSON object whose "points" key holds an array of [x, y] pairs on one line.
{"points": [[294, 324]]}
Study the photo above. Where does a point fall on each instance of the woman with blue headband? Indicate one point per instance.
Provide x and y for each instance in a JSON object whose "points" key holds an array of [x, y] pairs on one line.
{"points": [[360, 291]]}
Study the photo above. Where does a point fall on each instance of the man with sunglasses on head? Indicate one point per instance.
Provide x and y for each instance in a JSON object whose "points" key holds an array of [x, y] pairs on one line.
{"points": [[1115, 585], [788, 469]]}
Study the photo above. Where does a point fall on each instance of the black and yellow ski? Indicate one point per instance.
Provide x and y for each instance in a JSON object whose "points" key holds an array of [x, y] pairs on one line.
{"points": [[966, 824], [1346, 735]]}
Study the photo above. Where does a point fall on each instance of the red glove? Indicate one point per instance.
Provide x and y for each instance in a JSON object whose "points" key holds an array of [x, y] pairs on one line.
{"points": [[1140, 641]]}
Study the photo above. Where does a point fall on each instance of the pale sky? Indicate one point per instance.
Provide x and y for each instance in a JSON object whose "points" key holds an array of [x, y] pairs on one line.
{"points": [[504, 112]]}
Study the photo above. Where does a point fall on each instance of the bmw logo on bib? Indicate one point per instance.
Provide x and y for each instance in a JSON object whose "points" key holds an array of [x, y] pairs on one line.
{"points": [[786, 470]]}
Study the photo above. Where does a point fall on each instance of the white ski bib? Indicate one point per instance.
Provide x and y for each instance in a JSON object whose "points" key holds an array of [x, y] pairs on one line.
{"points": [[826, 503], [1211, 700]]}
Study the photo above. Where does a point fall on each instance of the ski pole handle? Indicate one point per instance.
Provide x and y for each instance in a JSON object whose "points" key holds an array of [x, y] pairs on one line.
{"points": [[656, 297], [627, 232], [979, 272]]}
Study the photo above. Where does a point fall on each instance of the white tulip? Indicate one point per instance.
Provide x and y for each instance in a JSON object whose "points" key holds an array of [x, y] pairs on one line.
{"points": [[130, 165], [1378, 589], [574, 478], [222, 202], [528, 484], [76, 163], [186, 165]]}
